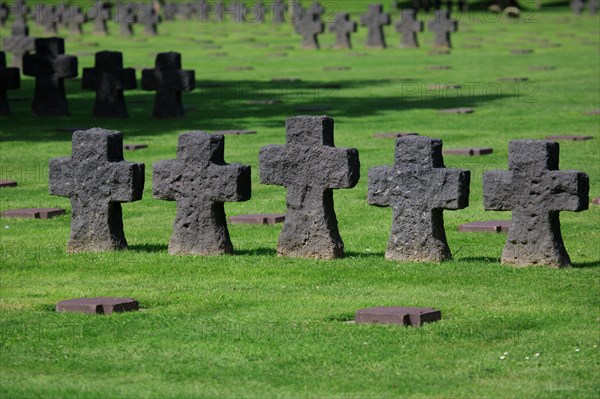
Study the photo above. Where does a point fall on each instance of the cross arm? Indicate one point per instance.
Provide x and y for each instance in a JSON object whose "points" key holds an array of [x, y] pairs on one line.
{"points": [[167, 179], [60, 177], [569, 190], [451, 188], [340, 167], [149, 79], [187, 80], [10, 78], [125, 181], [65, 66], [274, 164], [497, 190], [233, 183], [380, 185], [127, 80], [88, 79]]}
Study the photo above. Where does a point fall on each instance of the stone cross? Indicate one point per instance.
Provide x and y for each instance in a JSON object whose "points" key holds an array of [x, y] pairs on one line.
{"points": [[219, 11], [310, 167], [238, 12], [100, 13], [10, 79], [442, 26], [201, 182], [48, 15], [260, 12], [4, 11], [76, 19], [309, 28], [19, 43], [342, 27], [535, 191], [316, 10], [202, 10], [186, 10], [375, 20], [96, 179], [109, 79], [150, 19], [592, 7], [168, 80], [126, 17], [50, 66], [278, 11], [418, 187], [170, 11], [577, 6], [409, 26]]}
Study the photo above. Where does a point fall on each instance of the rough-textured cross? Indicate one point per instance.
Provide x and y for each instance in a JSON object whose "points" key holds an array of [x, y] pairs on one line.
{"points": [[219, 11], [375, 19], [76, 19], [592, 7], [48, 15], [316, 10], [409, 26], [100, 14], [19, 42], [109, 79], [310, 167], [309, 27], [126, 17], [201, 182], [535, 191], [278, 11], [50, 66], [4, 11], [418, 188], [259, 11], [150, 19], [577, 6], [237, 10], [10, 79], [202, 10], [342, 27], [442, 25], [96, 179], [168, 80]]}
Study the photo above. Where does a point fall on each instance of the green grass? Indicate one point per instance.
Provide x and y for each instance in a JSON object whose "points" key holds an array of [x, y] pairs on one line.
{"points": [[255, 325]]}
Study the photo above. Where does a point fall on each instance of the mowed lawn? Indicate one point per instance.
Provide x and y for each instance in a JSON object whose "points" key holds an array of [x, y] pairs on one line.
{"points": [[256, 325]]}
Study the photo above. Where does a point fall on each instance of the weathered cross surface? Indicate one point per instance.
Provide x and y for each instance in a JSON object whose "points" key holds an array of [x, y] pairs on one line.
{"points": [[310, 167], [126, 17], [4, 11], [150, 19], [442, 25], [76, 19], [309, 26], [168, 80], [96, 179], [418, 188], [10, 79], [238, 11], [19, 42], [375, 19], [535, 191], [109, 79], [342, 27], [100, 14], [50, 66], [278, 11], [49, 15], [259, 11], [201, 182], [409, 26], [577, 6]]}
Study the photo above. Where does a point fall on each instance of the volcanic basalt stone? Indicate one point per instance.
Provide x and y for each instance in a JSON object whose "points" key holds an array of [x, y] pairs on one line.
{"points": [[50, 66], [126, 17], [569, 137], [8, 183], [97, 180], [470, 152], [109, 79], [310, 167], [418, 188], [596, 201], [134, 147], [409, 26], [257, 219], [375, 19], [100, 305], [407, 316], [536, 192], [461, 110], [442, 26], [342, 27], [278, 11], [201, 182], [393, 135], [75, 19], [168, 80], [19, 43], [235, 132], [491, 226], [150, 19], [309, 27], [100, 14], [10, 79], [33, 213]]}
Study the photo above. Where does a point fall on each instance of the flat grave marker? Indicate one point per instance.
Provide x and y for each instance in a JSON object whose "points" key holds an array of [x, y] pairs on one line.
{"points": [[462, 110], [406, 316], [487, 226], [8, 183], [471, 151], [33, 213], [99, 305], [569, 137], [257, 219]]}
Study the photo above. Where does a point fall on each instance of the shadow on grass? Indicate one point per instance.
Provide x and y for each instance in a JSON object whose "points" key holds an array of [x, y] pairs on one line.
{"points": [[225, 105], [256, 252], [149, 248], [479, 259], [584, 265], [365, 255]]}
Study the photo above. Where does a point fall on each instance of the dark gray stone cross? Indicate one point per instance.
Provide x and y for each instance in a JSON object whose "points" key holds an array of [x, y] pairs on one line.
{"points": [[442, 26], [201, 182], [100, 14], [49, 15], [309, 27], [409, 26], [342, 27], [278, 11], [18, 43], [109, 79], [375, 19], [50, 66], [310, 167], [150, 19], [96, 179], [535, 191], [75, 19], [418, 188], [168, 80], [577, 6], [126, 17], [10, 79], [238, 11]]}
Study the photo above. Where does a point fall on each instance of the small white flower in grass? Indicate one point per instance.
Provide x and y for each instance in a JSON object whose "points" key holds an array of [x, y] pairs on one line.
{"points": [[526, 357], [365, 343], [537, 354], [505, 353], [577, 350], [6, 227], [502, 357], [368, 249]]}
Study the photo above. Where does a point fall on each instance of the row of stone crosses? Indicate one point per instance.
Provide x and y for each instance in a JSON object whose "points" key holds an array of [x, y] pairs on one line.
{"points": [[418, 187], [50, 66]]}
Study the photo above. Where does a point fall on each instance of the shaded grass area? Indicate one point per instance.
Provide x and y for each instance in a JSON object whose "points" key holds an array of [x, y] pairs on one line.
{"points": [[256, 325]]}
